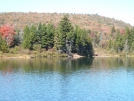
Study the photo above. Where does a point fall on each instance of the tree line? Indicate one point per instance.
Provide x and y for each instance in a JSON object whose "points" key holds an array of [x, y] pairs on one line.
{"points": [[122, 42], [66, 38]]}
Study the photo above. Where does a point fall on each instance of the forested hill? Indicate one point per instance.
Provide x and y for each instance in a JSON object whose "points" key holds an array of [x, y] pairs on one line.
{"points": [[93, 22]]}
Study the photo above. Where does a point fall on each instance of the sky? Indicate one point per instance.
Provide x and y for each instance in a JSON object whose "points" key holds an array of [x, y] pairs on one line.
{"points": [[118, 9]]}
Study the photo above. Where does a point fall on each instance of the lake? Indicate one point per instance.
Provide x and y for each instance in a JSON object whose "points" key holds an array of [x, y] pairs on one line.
{"points": [[56, 79]]}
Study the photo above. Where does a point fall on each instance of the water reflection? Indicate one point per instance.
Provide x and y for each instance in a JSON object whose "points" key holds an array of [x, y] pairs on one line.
{"points": [[40, 65], [113, 63], [55, 79]]}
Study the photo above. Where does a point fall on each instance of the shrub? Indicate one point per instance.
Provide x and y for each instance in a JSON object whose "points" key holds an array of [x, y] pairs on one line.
{"points": [[37, 48]]}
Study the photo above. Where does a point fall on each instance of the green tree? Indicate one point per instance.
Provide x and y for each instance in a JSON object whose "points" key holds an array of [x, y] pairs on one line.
{"points": [[131, 39], [29, 37], [119, 43], [44, 37], [61, 34], [38, 34], [113, 29], [70, 42], [50, 34], [126, 38], [3, 46], [83, 42]]}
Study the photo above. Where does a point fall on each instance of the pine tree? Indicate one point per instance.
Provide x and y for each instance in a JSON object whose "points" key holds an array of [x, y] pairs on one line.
{"points": [[38, 34], [50, 33], [25, 42], [29, 37], [44, 37], [83, 42], [3, 45], [70, 41], [113, 29], [62, 30]]}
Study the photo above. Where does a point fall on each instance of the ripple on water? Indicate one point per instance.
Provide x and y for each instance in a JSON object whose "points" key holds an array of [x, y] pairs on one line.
{"points": [[67, 82]]}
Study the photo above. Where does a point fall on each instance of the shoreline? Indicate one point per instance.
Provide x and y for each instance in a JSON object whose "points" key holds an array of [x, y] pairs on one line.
{"points": [[114, 55], [30, 56], [103, 55], [75, 56], [53, 55]]}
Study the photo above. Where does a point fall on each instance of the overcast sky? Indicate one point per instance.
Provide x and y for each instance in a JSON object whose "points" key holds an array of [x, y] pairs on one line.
{"points": [[118, 9]]}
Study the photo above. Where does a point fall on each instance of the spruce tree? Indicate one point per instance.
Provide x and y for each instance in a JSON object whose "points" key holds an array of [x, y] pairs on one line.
{"points": [[50, 33], [64, 27], [29, 37], [44, 37], [83, 42], [3, 45], [38, 34]]}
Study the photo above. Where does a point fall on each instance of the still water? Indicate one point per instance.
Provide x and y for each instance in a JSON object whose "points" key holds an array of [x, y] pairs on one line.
{"points": [[52, 79]]}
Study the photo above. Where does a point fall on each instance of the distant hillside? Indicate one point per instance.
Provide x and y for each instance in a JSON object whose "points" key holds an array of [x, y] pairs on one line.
{"points": [[93, 22]]}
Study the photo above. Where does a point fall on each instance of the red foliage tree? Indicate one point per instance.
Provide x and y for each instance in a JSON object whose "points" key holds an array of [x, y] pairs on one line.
{"points": [[7, 32], [122, 31]]}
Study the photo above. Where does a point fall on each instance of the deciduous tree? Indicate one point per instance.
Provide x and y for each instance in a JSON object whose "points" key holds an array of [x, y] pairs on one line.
{"points": [[7, 32]]}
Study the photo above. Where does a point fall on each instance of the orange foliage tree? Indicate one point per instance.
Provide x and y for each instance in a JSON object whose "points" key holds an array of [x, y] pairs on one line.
{"points": [[7, 32]]}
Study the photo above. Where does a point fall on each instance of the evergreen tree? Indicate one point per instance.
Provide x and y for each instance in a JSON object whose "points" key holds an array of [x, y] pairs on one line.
{"points": [[83, 42], [110, 44], [29, 37], [18, 37], [25, 42], [119, 43], [130, 39], [44, 37], [57, 40], [70, 42], [38, 34], [3, 45], [126, 40], [113, 29], [62, 30], [50, 33]]}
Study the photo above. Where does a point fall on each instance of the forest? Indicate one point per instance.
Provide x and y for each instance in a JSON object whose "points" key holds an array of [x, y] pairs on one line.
{"points": [[66, 38], [122, 42], [65, 34]]}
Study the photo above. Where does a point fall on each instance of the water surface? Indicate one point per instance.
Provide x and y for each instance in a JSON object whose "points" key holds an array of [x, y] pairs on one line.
{"points": [[52, 79]]}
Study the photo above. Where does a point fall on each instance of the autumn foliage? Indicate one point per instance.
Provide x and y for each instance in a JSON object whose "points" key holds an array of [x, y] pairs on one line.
{"points": [[7, 32]]}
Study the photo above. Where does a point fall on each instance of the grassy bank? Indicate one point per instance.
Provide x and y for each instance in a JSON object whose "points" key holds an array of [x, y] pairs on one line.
{"points": [[30, 54], [9, 55], [24, 53], [98, 52]]}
